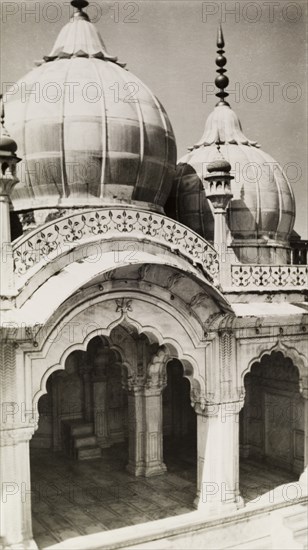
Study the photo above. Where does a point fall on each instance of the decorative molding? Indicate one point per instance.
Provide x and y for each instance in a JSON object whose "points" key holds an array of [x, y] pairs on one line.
{"points": [[54, 238], [143, 271], [226, 349], [124, 305], [7, 372], [269, 277], [173, 279], [198, 299]]}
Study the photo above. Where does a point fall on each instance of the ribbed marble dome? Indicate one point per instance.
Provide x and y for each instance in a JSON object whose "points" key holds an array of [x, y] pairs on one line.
{"points": [[263, 202], [90, 132]]}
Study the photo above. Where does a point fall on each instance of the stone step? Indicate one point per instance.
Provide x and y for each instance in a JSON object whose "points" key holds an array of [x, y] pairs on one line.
{"points": [[81, 428], [301, 537], [298, 525], [85, 441], [293, 528], [88, 453], [297, 521]]}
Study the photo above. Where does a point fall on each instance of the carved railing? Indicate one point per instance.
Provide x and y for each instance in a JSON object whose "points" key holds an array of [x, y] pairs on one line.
{"points": [[54, 238], [269, 277]]}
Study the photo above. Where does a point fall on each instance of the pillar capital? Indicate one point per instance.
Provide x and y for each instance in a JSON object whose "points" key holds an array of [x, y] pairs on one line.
{"points": [[224, 409], [304, 386], [15, 435], [156, 378]]}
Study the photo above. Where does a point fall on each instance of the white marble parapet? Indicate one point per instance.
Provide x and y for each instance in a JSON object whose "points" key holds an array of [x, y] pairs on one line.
{"points": [[269, 277], [59, 236]]}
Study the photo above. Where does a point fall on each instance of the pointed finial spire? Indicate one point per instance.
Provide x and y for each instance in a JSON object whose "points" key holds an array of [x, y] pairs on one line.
{"points": [[221, 80], [2, 113], [80, 5]]}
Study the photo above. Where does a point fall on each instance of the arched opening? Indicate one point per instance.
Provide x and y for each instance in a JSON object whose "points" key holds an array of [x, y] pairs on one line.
{"points": [[180, 428], [95, 450], [271, 428]]}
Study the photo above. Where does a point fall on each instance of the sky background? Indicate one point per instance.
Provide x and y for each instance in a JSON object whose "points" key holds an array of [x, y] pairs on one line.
{"points": [[171, 46]]}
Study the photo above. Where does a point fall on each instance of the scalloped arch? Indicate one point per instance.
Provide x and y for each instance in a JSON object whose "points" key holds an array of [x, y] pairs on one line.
{"points": [[299, 360], [190, 367]]}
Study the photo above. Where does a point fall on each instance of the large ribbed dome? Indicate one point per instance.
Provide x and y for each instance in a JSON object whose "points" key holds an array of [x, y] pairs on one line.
{"points": [[263, 203], [90, 132]]}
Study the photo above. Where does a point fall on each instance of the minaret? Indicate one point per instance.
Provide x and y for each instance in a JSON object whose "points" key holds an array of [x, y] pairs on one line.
{"points": [[221, 80], [219, 194], [218, 191], [8, 179]]}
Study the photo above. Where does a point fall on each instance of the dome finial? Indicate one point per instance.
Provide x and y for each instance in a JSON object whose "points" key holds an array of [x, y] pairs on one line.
{"points": [[2, 111], [221, 80], [79, 5]]}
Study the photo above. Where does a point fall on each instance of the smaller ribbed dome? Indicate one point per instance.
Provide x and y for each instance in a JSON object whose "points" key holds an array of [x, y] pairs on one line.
{"points": [[263, 205], [261, 213]]}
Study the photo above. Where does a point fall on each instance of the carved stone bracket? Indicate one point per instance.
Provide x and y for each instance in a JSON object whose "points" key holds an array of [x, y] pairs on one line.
{"points": [[156, 371]]}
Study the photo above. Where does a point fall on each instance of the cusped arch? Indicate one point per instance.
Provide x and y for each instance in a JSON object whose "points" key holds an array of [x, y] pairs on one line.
{"points": [[289, 352], [190, 366], [60, 365]]}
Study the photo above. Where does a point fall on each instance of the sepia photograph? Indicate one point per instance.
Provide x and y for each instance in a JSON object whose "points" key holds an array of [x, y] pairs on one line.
{"points": [[153, 275]]}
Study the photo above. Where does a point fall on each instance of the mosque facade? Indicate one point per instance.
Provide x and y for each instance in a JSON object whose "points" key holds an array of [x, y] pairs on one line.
{"points": [[147, 305]]}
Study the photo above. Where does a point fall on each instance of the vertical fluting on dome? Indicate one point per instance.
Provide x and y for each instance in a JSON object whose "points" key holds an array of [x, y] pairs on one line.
{"points": [[221, 80]]}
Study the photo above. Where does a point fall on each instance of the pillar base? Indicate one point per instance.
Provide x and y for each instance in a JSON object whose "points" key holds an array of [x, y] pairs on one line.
{"points": [[104, 442], [155, 470], [303, 481], [24, 545], [139, 470], [135, 470], [244, 451], [218, 508]]}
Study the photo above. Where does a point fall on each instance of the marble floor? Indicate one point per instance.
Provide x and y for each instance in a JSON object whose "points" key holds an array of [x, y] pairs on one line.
{"points": [[73, 498]]}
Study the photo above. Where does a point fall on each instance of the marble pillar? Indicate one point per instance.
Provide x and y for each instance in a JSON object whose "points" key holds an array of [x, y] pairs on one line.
{"points": [[145, 431], [100, 410], [15, 500], [153, 441], [218, 459], [136, 430], [87, 393], [304, 476]]}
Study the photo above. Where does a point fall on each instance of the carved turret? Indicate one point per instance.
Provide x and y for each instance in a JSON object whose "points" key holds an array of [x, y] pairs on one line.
{"points": [[8, 179], [219, 194]]}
